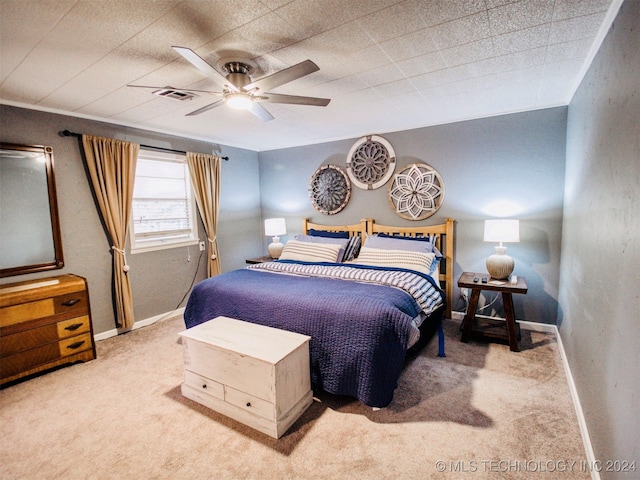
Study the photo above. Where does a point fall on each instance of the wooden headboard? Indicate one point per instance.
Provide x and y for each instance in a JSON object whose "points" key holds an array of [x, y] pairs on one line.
{"points": [[444, 242], [353, 229]]}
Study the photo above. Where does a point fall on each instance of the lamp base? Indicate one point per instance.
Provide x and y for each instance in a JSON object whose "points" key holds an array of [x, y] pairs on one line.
{"points": [[275, 248], [500, 265]]}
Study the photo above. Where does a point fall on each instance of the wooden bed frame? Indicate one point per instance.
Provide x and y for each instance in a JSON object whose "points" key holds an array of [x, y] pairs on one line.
{"points": [[444, 242], [353, 229]]}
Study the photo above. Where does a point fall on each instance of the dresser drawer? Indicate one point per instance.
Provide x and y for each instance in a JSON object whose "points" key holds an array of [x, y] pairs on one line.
{"points": [[73, 326], [15, 314], [74, 345], [71, 303], [249, 403], [63, 306], [52, 332], [41, 355], [204, 385]]}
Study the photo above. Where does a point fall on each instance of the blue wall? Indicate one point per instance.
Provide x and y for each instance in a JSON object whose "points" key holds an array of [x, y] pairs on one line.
{"points": [[517, 158]]}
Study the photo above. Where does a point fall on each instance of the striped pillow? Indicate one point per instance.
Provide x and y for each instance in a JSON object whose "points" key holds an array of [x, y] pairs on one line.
{"points": [[343, 242], [353, 248], [310, 252], [418, 261]]}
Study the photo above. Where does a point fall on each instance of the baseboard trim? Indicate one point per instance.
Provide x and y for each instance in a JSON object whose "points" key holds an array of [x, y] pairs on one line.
{"points": [[139, 324], [582, 423]]}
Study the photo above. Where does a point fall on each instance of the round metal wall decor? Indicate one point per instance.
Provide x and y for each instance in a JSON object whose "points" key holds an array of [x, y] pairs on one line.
{"points": [[329, 189], [416, 192], [371, 162]]}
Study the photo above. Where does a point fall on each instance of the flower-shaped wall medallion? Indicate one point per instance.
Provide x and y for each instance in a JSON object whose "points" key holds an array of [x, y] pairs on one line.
{"points": [[329, 189], [416, 192], [371, 162]]}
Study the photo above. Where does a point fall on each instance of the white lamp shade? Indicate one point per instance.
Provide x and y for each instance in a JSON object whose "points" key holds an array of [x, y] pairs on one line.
{"points": [[274, 227], [501, 231]]}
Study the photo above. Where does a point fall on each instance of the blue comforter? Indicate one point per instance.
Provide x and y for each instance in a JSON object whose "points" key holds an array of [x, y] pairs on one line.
{"points": [[359, 331]]}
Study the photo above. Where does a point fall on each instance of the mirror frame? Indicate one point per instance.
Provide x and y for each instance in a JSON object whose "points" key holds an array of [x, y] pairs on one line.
{"points": [[58, 260]]}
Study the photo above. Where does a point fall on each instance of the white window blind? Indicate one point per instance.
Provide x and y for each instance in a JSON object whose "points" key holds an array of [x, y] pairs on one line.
{"points": [[163, 210]]}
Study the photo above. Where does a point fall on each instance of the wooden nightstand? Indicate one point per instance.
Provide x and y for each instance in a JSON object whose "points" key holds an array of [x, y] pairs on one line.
{"points": [[266, 258], [487, 328]]}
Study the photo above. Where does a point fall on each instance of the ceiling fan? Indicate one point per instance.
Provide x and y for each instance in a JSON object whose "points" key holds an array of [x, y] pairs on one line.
{"points": [[239, 91]]}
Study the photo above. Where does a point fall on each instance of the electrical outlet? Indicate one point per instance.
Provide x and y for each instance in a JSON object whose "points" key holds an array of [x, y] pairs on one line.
{"points": [[201, 245], [464, 292]]}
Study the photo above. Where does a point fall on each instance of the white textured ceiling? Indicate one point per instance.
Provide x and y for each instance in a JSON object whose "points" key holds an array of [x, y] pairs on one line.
{"points": [[387, 65]]}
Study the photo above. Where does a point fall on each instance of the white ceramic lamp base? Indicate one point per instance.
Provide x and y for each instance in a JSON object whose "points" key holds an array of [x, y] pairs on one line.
{"points": [[275, 248], [500, 265]]}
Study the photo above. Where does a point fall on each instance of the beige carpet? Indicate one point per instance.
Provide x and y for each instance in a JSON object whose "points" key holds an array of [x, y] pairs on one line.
{"points": [[482, 412]]}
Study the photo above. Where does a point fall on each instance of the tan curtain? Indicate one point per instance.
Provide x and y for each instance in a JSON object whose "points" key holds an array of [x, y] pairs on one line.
{"points": [[112, 168], [205, 178]]}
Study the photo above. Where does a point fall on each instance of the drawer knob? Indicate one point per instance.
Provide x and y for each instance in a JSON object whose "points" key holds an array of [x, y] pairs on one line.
{"points": [[204, 386], [248, 404], [75, 345], [71, 303], [73, 327]]}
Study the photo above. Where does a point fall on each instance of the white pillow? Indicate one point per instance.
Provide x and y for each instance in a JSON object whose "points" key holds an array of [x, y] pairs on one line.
{"points": [[418, 261], [310, 252]]}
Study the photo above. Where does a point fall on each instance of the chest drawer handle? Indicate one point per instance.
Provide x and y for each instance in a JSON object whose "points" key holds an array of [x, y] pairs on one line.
{"points": [[204, 385], [248, 404], [71, 303], [73, 327], [75, 345]]}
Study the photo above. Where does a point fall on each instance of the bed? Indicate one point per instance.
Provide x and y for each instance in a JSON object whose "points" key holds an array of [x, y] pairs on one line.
{"points": [[364, 316]]}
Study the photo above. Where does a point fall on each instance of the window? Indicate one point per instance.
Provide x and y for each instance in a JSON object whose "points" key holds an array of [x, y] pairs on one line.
{"points": [[163, 210]]}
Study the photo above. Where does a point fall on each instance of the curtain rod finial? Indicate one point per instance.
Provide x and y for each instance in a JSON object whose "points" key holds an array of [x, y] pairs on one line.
{"points": [[67, 133]]}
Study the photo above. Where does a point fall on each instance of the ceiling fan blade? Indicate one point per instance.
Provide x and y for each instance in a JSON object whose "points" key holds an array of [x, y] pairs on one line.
{"points": [[283, 76], [150, 86], [175, 88], [194, 59], [260, 112], [296, 100], [206, 108]]}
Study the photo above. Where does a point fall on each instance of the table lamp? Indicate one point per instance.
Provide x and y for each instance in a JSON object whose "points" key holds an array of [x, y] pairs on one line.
{"points": [[500, 265], [274, 227]]}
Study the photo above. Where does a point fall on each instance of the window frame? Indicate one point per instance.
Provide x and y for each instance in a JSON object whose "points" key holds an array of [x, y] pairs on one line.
{"points": [[155, 243]]}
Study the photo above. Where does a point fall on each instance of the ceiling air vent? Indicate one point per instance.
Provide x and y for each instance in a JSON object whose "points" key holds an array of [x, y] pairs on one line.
{"points": [[169, 92]]}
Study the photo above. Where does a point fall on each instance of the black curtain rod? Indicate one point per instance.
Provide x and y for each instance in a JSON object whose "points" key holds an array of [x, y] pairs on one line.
{"points": [[67, 133]]}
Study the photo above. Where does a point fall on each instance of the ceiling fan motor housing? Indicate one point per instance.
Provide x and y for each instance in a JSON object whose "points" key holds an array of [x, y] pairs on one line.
{"points": [[238, 73]]}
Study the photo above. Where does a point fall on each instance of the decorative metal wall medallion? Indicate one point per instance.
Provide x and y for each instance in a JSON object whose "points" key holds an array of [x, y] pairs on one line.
{"points": [[416, 192], [329, 189], [371, 162]]}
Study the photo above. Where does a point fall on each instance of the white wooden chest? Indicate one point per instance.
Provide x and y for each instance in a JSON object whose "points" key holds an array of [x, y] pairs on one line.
{"points": [[257, 375]]}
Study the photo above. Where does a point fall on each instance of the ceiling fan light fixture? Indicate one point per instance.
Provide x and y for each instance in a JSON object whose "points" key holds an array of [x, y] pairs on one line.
{"points": [[239, 101]]}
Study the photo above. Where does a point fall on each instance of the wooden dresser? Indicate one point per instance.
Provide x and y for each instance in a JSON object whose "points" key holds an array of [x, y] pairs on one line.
{"points": [[257, 375], [44, 323]]}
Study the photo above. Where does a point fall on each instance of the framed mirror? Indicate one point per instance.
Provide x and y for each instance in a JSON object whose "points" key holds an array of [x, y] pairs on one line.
{"points": [[30, 239]]}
